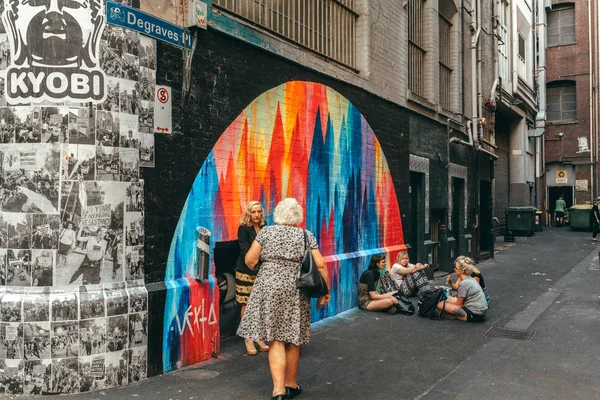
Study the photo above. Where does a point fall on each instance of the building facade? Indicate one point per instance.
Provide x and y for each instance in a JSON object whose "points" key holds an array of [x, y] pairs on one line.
{"points": [[572, 117], [397, 126]]}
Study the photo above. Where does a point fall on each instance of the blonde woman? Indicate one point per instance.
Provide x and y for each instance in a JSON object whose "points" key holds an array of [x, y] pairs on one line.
{"points": [[277, 311], [470, 304], [475, 274], [251, 222], [410, 278]]}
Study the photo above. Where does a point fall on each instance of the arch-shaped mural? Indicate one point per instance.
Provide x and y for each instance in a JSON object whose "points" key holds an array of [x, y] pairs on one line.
{"points": [[301, 140]]}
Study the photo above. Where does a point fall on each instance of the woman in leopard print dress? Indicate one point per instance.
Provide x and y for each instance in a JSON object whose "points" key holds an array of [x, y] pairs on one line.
{"points": [[277, 311]]}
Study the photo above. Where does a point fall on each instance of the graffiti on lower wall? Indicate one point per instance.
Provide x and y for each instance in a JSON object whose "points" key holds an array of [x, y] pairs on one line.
{"points": [[301, 140], [75, 114]]}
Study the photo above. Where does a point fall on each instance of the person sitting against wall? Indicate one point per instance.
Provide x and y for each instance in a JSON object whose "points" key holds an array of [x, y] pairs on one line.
{"points": [[476, 274], [251, 222], [470, 304], [410, 278], [368, 297]]}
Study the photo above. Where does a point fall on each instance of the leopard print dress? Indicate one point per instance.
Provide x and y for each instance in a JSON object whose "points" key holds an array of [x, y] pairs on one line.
{"points": [[276, 309]]}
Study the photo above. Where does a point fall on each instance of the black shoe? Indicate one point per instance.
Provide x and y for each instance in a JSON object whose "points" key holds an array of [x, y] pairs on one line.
{"points": [[291, 392], [279, 397]]}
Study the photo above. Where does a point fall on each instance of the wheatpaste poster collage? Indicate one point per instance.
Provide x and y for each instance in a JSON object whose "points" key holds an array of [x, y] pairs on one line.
{"points": [[76, 125]]}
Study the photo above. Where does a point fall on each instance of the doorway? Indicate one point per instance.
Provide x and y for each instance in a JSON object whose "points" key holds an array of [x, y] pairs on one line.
{"points": [[554, 192], [458, 204], [417, 211], [485, 219]]}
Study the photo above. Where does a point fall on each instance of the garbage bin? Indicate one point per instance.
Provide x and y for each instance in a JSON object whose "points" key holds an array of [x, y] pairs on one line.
{"points": [[579, 216], [538, 221], [520, 220]]}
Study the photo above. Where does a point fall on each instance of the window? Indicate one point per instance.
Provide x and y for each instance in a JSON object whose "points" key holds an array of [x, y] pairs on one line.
{"points": [[416, 47], [561, 26], [327, 27], [521, 46], [445, 70], [504, 45], [562, 101]]}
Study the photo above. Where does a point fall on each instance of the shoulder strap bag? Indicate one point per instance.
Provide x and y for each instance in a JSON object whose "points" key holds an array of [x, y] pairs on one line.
{"points": [[309, 280]]}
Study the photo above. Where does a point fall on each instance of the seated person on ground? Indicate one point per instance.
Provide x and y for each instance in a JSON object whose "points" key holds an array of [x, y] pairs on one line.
{"points": [[410, 278], [476, 274], [470, 304], [368, 298]]}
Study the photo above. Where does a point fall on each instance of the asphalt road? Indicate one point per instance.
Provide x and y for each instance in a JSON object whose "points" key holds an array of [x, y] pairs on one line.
{"points": [[547, 284]]}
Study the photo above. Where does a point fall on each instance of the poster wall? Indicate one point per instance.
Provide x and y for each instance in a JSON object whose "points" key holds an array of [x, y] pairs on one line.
{"points": [[76, 118]]}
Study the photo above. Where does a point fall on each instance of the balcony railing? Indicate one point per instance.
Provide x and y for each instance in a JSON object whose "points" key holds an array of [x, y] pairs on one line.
{"points": [[327, 27]]}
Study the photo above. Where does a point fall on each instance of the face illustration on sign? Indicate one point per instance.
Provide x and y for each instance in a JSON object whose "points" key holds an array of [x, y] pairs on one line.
{"points": [[55, 46]]}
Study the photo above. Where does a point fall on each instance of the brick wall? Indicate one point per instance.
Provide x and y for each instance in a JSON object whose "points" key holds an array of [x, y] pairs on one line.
{"points": [[571, 62]]}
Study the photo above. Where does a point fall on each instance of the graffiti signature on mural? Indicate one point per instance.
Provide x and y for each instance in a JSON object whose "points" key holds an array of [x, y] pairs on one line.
{"points": [[199, 318]]}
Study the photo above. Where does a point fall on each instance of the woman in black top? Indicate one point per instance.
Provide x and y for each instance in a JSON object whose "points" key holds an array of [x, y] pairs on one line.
{"points": [[368, 298], [251, 222]]}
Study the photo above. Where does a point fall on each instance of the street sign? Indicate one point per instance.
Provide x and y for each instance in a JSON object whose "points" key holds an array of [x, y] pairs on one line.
{"points": [[136, 20], [163, 110], [562, 177], [197, 13]]}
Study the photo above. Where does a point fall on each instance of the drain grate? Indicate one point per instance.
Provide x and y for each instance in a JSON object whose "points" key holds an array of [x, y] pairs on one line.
{"points": [[507, 333]]}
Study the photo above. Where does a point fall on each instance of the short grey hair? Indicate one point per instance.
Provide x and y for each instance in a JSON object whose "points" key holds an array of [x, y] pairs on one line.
{"points": [[288, 212]]}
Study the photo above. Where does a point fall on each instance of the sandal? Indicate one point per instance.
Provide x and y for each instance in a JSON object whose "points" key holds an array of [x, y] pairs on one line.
{"points": [[262, 346], [291, 392], [250, 349]]}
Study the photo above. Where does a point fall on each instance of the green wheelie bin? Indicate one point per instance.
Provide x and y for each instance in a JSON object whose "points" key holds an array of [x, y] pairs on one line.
{"points": [[520, 220], [580, 216]]}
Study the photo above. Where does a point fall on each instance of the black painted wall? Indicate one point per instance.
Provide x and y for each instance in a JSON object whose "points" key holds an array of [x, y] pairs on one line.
{"points": [[227, 75]]}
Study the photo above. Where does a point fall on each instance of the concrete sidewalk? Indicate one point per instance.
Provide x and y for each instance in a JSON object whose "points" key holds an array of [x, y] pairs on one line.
{"points": [[547, 283]]}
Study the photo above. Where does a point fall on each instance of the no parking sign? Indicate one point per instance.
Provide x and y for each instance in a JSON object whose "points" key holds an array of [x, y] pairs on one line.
{"points": [[163, 110]]}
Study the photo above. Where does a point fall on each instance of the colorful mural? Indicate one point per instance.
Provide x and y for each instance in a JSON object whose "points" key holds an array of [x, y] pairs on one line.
{"points": [[301, 140]]}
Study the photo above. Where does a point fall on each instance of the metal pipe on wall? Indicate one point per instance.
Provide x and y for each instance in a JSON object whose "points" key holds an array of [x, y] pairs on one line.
{"points": [[591, 100]]}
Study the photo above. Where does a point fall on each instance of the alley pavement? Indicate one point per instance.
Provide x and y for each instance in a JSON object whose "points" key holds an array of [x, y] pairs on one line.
{"points": [[545, 288]]}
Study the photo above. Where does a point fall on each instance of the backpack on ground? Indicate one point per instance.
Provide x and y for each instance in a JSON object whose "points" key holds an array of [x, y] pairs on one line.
{"points": [[428, 303]]}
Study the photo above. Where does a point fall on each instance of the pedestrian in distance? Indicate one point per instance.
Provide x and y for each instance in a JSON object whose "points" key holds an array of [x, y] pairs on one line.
{"points": [[277, 311], [470, 304], [410, 278], [595, 216], [560, 210], [369, 298], [251, 222]]}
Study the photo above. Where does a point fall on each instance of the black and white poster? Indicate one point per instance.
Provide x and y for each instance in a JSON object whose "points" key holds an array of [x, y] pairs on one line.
{"points": [[92, 336], [138, 363], [138, 329], [91, 302], [36, 307], [18, 268], [55, 124], [13, 377], [82, 126], [91, 373], [147, 150], [54, 55], [37, 376], [7, 124], [79, 162], [64, 306], [96, 210], [129, 164], [116, 368], [107, 163], [42, 267], [108, 129], [65, 375], [31, 178], [36, 340], [11, 344], [117, 337], [65, 339], [19, 230], [117, 300], [138, 298]]}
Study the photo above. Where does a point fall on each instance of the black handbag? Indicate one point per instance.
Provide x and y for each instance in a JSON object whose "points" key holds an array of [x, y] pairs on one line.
{"points": [[309, 280], [404, 305]]}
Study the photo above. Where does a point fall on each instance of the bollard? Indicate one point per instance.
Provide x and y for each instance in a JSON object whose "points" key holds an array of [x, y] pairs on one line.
{"points": [[203, 244]]}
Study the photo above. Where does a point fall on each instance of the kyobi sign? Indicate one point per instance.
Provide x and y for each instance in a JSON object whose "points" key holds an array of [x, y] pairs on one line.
{"points": [[54, 51]]}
